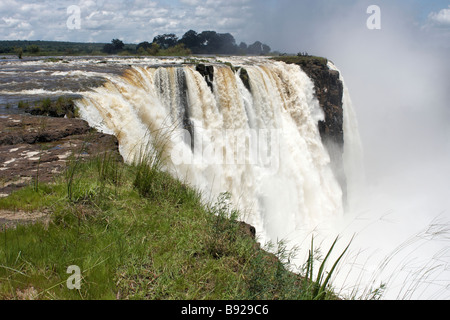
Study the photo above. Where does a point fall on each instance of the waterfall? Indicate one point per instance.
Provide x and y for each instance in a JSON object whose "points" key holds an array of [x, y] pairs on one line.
{"points": [[353, 151], [260, 142]]}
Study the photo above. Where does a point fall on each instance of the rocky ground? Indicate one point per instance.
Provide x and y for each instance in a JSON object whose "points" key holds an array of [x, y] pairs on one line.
{"points": [[37, 148], [10, 219]]}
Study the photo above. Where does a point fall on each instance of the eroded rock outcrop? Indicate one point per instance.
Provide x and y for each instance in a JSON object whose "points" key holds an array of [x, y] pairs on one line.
{"points": [[207, 72], [329, 92], [35, 147]]}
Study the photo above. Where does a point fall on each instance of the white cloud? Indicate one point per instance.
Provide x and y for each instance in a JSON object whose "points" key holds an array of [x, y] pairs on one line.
{"points": [[204, 12], [438, 20], [190, 2], [158, 21], [437, 27], [441, 18], [134, 20]]}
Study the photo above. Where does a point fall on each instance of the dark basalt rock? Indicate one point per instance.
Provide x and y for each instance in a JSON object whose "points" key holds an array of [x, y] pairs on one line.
{"points": [[185, 115], [207, 72], [248, 229], [243, 74], [329, 91]]}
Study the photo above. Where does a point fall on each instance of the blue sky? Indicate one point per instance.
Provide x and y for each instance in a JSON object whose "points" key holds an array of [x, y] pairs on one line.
{"points": [[270, 21]]}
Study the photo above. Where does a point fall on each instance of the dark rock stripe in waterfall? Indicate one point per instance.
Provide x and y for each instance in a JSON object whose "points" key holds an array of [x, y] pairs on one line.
{"points": [[243, 74], [208, 73], [183, 107]]}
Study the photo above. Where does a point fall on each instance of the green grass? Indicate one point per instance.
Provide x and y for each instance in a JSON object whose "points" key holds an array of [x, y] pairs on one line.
{"points": [[135, 232], [302, 60], [58, 107]]}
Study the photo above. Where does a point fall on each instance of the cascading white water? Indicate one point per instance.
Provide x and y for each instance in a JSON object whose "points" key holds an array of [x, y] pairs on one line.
{"points": [[262, 145], [353, 151]]}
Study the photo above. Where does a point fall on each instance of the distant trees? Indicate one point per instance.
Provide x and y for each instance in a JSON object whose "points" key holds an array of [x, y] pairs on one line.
{"points": [[154, 49], [206, 42], [265, 49], [243, 48], [52, 48], [258, 48], [108, 48], [19, 52], [191, 40], [213, 42], [143, 45], [115, 46], [33, 48], [166, 41]]}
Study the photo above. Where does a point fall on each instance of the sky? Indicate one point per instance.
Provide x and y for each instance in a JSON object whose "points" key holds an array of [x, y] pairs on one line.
{"points": [[286, 25]]}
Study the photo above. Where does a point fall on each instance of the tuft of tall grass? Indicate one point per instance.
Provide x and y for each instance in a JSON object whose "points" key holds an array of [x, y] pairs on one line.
{"points": [[110, 171], [317, 288], [149, 163]]}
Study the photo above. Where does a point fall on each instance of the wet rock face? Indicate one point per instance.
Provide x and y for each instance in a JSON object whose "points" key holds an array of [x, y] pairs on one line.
{"points": [[329, 92], [34, 147], [207, 72]]}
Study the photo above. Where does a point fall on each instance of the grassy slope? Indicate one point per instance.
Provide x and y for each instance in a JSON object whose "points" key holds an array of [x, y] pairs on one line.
{"points": [[136, 233]]}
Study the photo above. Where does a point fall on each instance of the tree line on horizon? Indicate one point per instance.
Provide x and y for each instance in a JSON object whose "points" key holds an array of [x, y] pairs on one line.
{"points": [[206, 42], [45, 48]]}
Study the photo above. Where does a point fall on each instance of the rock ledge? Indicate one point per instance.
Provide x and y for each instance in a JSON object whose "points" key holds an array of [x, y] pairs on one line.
{"points": [[36, 147]]}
